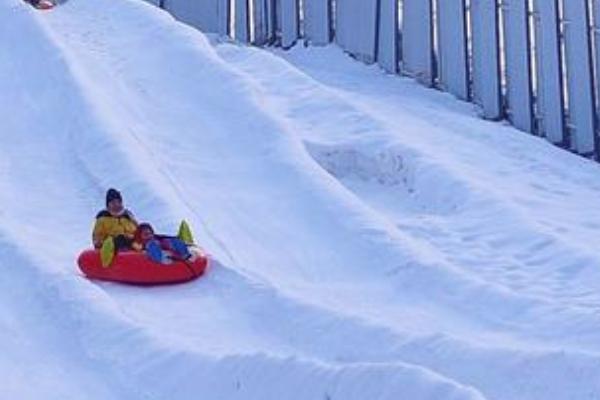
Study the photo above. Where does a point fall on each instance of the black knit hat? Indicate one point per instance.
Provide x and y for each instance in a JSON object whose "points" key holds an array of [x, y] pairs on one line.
{"points": [[113, 194], [145, 225]]}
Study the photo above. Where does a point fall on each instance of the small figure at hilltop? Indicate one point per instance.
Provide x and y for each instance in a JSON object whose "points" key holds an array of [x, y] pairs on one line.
{"points": [[42, 4]]}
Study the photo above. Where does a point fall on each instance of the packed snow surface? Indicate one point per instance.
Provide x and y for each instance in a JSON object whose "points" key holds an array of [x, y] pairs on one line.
{"points": [[370, 239]]}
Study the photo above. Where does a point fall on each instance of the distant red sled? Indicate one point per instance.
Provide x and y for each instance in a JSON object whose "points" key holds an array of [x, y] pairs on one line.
{"points": [[135, 268], [45, 5], [41, 4]]}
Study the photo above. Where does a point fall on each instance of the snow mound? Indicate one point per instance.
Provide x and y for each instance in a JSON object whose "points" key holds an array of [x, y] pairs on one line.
{"points": [[370, 239]]}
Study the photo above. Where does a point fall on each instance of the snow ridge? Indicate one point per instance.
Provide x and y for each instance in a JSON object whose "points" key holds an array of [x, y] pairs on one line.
{"points": [[353, 257]]}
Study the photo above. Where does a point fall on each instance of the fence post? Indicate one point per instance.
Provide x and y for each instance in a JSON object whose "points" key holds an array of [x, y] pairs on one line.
{"points": [[417, 40], [261, 22], [517, 47], [453, 64], [242, 21], [550, 98], [317, 21], [356, 28], [288, 17], [224, 17], [580, 77], [387, 35], [486, 58], [596, 39]]}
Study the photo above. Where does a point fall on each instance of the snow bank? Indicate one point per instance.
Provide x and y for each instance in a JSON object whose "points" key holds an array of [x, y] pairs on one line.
{"points": [[369, 240]]}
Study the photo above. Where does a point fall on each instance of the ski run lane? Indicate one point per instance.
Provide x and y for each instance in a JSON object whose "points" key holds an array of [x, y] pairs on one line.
{"points": [[369, 239]]}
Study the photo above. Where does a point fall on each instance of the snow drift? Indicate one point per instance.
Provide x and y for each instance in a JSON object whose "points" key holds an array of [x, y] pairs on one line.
{"points": [[370, 239]]}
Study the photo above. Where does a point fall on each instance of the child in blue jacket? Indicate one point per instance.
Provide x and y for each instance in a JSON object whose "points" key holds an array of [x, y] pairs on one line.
{"points": [[160, 248]]}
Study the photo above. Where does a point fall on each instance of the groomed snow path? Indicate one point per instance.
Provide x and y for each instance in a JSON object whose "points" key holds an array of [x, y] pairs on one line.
{"points": [[370, 239]]}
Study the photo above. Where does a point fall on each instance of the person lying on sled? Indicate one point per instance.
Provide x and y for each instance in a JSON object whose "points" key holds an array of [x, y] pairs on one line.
{"points": [[114, 229], [160, 248]]}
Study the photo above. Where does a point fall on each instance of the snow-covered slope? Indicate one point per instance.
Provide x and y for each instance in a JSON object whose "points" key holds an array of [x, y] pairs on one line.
{"points": [[370, 239]]}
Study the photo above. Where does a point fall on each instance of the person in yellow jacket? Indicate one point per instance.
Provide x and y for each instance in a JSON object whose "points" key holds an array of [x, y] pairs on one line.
{"points": [[114, 229]]}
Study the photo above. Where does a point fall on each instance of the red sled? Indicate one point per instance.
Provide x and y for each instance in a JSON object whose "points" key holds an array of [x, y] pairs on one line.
{"points": [[136, 268], [41, 4], [44, 5]]}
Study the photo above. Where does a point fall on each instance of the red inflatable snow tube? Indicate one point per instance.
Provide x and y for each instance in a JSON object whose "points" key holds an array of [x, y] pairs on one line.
{"points": [[45, 5], [137, 269], [42, 4]]}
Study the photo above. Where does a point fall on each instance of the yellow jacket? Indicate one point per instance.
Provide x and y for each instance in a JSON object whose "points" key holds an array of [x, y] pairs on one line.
{"points": [[109, 225]]}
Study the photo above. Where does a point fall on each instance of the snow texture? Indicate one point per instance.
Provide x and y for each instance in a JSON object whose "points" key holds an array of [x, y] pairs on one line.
{"points": [[369, 238]]}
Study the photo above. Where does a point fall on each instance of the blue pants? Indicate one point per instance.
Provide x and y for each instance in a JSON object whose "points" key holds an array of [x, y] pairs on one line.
{"points": [[155, 248]]}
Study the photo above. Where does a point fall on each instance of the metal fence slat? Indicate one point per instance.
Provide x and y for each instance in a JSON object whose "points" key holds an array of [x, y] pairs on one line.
{"points": [[387, 40], [453, 65], [486, 58], [356, 28], [517, 46], [417, 40], [579, 77], [550, 99], [317, 21]]}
